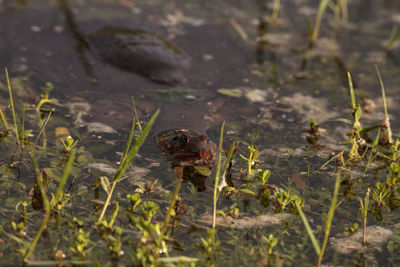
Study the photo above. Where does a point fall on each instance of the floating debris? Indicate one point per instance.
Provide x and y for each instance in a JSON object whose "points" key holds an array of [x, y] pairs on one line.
{"points": [[252, 94], [247, 222], [231, 92], [310, 107], [326, 47], [368, 105], [98, 127], [61, 132], [137, 175], [278, 39], [102, 167], [375, 237], [36, 28], [78, 109], [256, 95], [178, 17]]}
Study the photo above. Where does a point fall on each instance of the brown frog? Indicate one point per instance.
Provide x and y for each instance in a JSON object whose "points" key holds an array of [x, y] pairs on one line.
{"points": [[186, 147]]}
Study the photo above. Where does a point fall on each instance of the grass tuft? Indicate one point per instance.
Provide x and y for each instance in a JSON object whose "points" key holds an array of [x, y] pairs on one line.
{"points": [[127, 157]]}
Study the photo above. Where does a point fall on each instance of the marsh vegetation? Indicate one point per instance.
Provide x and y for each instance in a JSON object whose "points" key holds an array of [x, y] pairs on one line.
{"points": [[282, 146]]}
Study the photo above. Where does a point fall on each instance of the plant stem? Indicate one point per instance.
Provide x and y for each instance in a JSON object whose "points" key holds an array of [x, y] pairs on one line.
{"points": [[353, 99], [4, 118], [41, 131], [321, 9], [12, 107], [46, 205], [171, 205], [136, 115], [364, 212], [330, 218], [276, 9], [217, 174], [67, 170], [310, 233], [383, 91]]}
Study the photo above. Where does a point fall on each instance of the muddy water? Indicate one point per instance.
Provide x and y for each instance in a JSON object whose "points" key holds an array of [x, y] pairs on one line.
{"points": [[231, 45]]}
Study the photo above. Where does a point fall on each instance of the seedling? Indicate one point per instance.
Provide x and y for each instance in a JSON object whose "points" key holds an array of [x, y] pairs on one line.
{"points": [[69, 144], [352, 229], [380, 194], [263, 176], [209, 246], [284, 199], [271, 242], [135, 200], [111, 233], [396, 151], [82, 243], [364, 212], [251, 159], [355, 138]]}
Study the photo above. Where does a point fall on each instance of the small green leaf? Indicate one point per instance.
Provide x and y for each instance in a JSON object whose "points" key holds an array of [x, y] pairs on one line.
{"points": [[247, 191], [14, 225], [105, 183], [231, 92], [229, 189], [203, 170]]}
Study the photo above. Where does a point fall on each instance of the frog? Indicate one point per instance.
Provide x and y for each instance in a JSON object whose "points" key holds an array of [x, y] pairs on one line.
{"points": [[185, 147]]}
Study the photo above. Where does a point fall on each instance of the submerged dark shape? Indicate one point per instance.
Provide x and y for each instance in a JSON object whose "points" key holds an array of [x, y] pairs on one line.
{"points": [[189, 150], [140, 51]]}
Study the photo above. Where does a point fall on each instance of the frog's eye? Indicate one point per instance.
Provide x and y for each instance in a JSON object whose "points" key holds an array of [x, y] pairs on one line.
{"points": [[184, 139]]}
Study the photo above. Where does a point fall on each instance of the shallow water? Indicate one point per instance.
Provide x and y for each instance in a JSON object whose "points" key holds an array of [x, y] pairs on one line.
{"points": [[229, 49]]}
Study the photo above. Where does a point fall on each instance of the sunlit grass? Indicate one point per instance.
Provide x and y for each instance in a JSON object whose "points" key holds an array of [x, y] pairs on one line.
{"points": [[127, 157]]}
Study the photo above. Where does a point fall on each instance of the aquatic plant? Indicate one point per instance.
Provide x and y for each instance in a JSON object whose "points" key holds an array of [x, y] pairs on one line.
{"points": [[320, 250]]}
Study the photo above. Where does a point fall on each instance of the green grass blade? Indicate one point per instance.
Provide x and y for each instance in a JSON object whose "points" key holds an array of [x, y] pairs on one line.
{"points": [[128, 144], [12, 106], [275, 9], [383, 91], [330, 218], [132, 152], [4, 118], [46, 206], [136, 115], [42, 129], [353, 98], [217, 174], [170, 207], [228, 159], [310, 233], [67, 171], [128, 159], [392, 38], [321, 10]]}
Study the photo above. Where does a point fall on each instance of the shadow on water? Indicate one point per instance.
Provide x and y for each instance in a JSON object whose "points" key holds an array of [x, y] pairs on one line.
{"points": [[134, 50], [81, 43]]}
